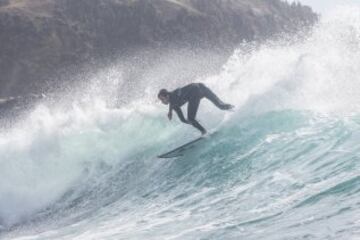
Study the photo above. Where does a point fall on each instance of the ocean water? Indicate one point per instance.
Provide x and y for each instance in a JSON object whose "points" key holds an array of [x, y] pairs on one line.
{"points": [[284, 166]]}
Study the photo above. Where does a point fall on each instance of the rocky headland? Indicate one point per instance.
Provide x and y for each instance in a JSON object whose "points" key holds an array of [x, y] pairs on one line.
{"points": [[41, 38]]}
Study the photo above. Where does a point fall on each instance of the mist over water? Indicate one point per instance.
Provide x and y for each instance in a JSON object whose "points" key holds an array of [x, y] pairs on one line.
{"points": [[284, 165]]}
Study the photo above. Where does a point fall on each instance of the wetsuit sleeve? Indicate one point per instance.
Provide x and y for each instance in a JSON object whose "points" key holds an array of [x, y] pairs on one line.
{"points": [[180, 114]]}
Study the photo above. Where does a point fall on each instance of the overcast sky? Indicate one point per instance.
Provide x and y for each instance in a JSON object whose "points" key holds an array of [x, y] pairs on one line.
{"points": [[322, 6]]}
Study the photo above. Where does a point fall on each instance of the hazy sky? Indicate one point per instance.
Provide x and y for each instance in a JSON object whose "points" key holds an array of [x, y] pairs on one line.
{"points": [[322, 6]]}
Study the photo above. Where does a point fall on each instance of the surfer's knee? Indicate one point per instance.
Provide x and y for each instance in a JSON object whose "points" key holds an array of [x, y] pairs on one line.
{"points": [[201, 85]]}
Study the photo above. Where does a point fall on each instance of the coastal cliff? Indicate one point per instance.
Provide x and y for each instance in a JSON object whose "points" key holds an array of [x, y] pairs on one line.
{"points": [[41, 37]]}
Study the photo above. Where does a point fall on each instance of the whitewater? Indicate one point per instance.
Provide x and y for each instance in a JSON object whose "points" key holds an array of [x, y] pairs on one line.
{"points": [[284, 165]]}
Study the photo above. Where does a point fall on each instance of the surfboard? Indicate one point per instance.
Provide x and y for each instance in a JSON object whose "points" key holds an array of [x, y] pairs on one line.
{"points": [[179, 151]]}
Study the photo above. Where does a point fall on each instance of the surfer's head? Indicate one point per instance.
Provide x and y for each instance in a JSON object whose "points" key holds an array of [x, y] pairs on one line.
{"points": [[164, 96]]}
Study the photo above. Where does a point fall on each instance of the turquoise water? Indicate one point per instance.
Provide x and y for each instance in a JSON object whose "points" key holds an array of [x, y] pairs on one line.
{"points": [[284, 165]]}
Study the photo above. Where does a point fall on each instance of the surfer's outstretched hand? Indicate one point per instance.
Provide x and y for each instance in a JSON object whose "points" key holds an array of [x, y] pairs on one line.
{"points": [[203, 132], [170, 115]]}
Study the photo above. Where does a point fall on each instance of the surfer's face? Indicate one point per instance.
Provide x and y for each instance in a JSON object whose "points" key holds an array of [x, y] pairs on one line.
{"points": [[164, 99]]}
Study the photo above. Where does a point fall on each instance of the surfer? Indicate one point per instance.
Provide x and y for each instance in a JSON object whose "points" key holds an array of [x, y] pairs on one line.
{"points": [[191, 94]]}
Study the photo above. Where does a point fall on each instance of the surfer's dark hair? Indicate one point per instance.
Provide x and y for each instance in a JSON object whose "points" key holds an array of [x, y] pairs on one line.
{"points": [[163, 92]]}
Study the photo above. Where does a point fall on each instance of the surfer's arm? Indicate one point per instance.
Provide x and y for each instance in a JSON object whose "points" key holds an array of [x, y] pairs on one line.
{"points": [[180, 114], [170, 112]]}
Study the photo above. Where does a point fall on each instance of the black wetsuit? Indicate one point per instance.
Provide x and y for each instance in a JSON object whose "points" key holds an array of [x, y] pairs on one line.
{"points": [[192, 94]]}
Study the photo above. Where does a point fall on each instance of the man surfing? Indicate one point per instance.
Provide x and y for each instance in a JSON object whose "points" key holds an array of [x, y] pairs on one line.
{"points": [[191, 94]]}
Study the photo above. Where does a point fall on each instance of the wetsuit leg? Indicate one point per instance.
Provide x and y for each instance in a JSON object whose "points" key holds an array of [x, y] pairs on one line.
{"points": [[207, 93], [193, 106]]}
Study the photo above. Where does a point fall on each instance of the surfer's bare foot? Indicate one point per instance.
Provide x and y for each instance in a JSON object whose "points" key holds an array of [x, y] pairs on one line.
{"points": [[228, 107], [231, 107]]}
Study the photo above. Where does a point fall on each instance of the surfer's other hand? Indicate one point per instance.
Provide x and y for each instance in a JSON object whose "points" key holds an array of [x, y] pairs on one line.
{"points": [[170, 116]]}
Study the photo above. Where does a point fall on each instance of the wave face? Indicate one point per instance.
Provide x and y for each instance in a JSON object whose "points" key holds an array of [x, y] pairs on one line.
{"points": [[285, 165]]}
